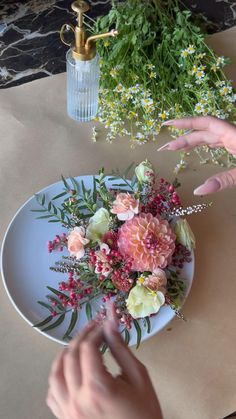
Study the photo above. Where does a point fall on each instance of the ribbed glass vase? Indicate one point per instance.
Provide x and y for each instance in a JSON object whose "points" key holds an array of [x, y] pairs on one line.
{"points": [[82, 88]]}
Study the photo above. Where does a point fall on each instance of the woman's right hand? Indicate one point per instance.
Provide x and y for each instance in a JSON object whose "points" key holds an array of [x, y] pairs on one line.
{"points": [[213, 132], [80, 386]]}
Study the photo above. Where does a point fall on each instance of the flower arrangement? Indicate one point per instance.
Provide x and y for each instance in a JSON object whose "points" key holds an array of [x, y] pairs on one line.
{"points": [[159, 68], [126, 241]]}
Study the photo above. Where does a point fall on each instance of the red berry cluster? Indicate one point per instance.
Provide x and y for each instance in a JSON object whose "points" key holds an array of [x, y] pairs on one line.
{"points": [[57, 243], [124, 318], [120, 268], [180, 256], [76, 292], [162, 199]]}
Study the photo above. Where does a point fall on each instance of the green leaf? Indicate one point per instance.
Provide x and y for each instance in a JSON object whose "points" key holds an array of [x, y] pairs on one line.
{"points": [[54, 209], [65, 183], [127, 337], [138, 331], [94, 189], [59, 196], [59, 304], [39, 210], [55, 324], [148, 323], [54, 291], [49, 206], [42, 323], [44, 216], [126, 172], [45, 305], [83, 188], [114, 178], [54, 221], [62, 214], [74, 183], [88, 310], [43, 199], [103, 348], [73, 321]]}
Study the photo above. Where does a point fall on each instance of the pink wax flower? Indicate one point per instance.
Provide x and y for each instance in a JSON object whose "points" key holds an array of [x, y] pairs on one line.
{"points": [[156, 281], [102, 265], [125, 206], [148, 240], [76, 242]]}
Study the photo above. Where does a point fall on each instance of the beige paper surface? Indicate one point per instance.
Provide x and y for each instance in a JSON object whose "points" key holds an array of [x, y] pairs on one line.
{"points": [[192, 364]]}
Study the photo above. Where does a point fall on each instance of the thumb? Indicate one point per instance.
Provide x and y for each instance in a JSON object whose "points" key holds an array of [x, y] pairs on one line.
{"points": [[217, 183]]}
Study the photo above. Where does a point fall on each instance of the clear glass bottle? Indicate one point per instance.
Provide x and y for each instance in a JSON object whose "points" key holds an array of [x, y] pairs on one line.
{"points": [[82, 67], [82, 87]]}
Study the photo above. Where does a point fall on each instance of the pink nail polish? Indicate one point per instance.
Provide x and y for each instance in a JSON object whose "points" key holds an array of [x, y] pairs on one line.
{"points": [[210, 186], [164, 147], [166, 123]]}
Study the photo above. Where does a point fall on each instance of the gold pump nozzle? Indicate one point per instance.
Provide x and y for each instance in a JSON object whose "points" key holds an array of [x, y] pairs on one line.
{"points": [[84, 48]]}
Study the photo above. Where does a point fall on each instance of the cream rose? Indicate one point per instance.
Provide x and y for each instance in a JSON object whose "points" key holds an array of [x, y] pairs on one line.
{"points": [[144, 172], [76, 242], [125, 206], [184, 234], [142, 302], [98, 225]]}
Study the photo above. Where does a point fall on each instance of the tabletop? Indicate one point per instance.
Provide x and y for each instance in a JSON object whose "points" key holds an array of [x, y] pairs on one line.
{"points": [[192, 363]]}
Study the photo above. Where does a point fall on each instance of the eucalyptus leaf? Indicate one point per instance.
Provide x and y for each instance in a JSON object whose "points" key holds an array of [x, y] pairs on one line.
{"points": [[148, 323], [60, 195], [103, 348], [73, 321], [55, 324], [138, 332], [58, 293], [44, 216], [127, 337], [43, 322], [67, 186], [88, 310], [45, 305]]}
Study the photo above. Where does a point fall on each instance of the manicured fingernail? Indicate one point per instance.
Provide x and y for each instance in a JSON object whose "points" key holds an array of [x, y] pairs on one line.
{"points": [[166, 123], [210, 186], [164, 147], [111, 317]]}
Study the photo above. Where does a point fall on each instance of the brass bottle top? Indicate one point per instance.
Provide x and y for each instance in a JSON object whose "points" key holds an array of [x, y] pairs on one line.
{"points": [[83, 48]]}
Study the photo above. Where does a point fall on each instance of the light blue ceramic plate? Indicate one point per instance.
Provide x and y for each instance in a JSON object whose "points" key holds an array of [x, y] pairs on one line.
{"points": [[25, 266]]}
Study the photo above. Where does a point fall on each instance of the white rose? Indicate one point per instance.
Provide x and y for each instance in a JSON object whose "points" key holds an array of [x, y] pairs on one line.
{"points": [[144, 172], [98, 225], [184, 234], [142, 302]]}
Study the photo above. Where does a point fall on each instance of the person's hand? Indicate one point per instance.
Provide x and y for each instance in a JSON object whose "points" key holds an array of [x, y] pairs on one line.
{"points": [[213, 132], [80, 387]]}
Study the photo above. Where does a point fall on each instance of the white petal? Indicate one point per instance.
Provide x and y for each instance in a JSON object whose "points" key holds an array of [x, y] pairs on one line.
{"points": [[161, 298], [106, 247], [80, 254], [124, 216]]}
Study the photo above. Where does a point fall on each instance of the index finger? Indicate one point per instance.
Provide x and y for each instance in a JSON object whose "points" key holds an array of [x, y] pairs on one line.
{"points": [[193, 123], [91, 361]]}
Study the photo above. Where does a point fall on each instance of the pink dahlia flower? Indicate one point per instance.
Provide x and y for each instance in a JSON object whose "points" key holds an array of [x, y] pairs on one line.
{"points": [[148, 240]]}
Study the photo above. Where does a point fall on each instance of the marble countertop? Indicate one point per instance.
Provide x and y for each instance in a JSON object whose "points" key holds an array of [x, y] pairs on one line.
{"points": [[30, 45]]}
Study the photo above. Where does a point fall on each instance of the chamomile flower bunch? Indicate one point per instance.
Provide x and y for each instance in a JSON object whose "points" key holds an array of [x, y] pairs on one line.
{"points": [[158, 68]]}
